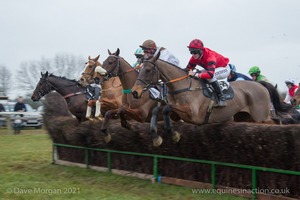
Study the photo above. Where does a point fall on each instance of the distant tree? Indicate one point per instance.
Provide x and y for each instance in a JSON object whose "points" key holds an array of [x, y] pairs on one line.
{"points": [[6, 83], [66, 65]]}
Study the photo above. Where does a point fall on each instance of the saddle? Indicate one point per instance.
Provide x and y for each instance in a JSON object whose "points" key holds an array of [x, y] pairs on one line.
{"points": [[208, 90]]}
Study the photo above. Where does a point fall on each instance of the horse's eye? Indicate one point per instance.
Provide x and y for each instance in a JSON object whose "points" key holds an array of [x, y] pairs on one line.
{"points": [[148, 70], [110, 63]]}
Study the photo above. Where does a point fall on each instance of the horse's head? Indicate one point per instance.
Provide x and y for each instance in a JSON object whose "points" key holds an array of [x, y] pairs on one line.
{"points": [[296, 98], [148, 76], [112, 64], [92, 70], [43, 87]]}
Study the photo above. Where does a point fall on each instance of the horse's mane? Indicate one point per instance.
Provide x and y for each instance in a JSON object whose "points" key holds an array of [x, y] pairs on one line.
{"points": [[63, 77], [126, 62], [172, 65], [275, 98]]}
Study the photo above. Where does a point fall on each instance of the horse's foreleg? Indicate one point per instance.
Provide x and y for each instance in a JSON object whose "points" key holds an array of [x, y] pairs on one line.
{"points": [[157, 140], [168, 124], [108, 116], [98, 110], [124, 123]]}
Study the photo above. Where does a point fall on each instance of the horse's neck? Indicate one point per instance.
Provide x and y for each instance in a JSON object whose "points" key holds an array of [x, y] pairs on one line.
{"points": [[171, 73], [127, 77], [61, 86]]}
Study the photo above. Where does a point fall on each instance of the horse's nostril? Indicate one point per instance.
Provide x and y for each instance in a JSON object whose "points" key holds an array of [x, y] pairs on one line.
{"points": [[135, 94]]}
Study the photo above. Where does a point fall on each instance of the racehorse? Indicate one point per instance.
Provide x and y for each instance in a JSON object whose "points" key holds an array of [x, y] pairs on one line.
{"points": [[190, 103], [144, 109], [296, 98], [111, 92], [71, 90]]}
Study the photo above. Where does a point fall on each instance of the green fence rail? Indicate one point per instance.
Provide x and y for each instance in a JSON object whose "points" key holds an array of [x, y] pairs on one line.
{"points": [[155, 157]]}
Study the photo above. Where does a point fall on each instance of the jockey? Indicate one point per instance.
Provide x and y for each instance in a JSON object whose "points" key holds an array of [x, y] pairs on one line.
{"points": [[215, 65], [139, 54], [235, 76], [94, 93], [150, 49], [256, 75], [292, 88]]}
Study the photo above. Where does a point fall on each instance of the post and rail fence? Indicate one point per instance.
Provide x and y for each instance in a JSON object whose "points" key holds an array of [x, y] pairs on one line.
{"points": [[213, 164]]}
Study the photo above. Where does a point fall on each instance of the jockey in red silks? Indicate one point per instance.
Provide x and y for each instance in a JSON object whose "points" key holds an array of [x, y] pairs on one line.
{"points": [[215, 65], [292, 88]]}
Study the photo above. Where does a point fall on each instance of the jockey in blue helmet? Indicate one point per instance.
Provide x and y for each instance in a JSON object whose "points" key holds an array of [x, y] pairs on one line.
{"points": [[235, 76], [139, 54]]}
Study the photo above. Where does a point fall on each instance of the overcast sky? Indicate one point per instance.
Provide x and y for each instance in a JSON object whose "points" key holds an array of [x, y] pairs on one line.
{"points": [[265, 33]]}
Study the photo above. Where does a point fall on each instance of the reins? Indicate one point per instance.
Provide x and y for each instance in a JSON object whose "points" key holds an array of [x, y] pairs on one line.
{"points": [[57, 89]]}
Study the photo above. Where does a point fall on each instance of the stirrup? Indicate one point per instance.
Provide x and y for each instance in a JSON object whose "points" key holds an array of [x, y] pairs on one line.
{"points": [[221, 103]]}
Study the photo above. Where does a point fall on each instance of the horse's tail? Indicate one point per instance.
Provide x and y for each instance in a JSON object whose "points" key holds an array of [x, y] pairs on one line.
{"points": [[279, 106]]}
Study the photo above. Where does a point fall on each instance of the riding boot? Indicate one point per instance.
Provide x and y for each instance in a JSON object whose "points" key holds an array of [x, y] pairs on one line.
{"points": [[220, 96]]}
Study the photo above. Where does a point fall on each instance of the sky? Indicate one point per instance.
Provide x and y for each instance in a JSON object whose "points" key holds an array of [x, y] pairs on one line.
{"points": [[265, 33]]}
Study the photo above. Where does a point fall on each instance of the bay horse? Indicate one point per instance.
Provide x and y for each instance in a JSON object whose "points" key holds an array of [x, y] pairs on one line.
{"points": [[190, 103], [144, 109], [296, 98], [111, 90], [71, 90]]}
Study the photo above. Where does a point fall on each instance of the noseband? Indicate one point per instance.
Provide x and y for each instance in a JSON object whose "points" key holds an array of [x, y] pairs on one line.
{"points": [[48, 88], [89, 75], [112, 73], [150, 83]]}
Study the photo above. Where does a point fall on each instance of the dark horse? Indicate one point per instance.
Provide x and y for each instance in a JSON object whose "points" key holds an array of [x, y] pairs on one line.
{"points": [[71, 90]]}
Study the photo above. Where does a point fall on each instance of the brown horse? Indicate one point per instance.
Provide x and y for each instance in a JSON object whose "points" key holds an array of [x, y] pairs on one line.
{"points": [[190, 103], [144, 109], [111, 92], [296, 98], [71, 90]]}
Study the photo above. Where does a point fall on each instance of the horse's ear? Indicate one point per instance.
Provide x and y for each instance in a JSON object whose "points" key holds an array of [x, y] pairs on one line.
{"points": [[118, 52], [46, 74], [89, 57], [276, 86], [109, 53], [155, 57], [96, 59]]}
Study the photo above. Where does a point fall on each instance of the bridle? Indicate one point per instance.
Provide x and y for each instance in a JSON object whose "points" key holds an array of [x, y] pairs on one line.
{"points": [[149, 84], [115, 69], [46, 89], [50, 87], [88, 76]]}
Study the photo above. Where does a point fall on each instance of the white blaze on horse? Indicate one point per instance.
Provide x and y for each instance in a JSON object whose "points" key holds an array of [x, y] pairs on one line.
{"points": [[107, 92]]}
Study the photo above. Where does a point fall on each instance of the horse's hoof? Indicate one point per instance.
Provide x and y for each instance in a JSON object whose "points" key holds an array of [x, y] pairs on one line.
{"points": [[91, 119], [176, 137], [100, 118], [157, 141], [107, 138]]}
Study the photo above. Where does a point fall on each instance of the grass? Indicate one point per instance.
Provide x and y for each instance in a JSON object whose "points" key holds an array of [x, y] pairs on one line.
{"points": [[26, 172]]}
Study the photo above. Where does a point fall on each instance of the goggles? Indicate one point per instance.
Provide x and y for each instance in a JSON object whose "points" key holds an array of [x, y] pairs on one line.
{"points": [[194, 52]]}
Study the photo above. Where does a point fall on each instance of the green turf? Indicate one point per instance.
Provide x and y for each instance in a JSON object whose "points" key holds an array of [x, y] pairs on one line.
{"points": [[26, 172]]}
